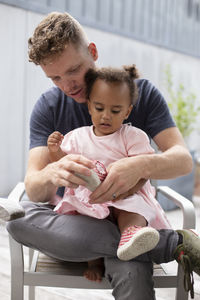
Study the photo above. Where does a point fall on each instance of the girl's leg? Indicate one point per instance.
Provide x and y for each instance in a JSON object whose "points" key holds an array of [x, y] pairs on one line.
{"points": [[136, 237], [127, 219]]}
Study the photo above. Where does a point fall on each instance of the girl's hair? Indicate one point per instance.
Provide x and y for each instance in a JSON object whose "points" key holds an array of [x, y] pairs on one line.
{"points": [[114, 75], [53, 34]]}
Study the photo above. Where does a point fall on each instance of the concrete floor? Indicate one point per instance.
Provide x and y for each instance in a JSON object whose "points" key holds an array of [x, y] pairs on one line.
{"points": [[72, 294]]}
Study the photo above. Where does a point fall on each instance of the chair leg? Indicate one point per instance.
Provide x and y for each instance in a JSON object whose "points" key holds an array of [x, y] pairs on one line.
{"points": [[31, 289], [17, 291], [31, 292], [181, 294], [17, 270], [30, 253]]}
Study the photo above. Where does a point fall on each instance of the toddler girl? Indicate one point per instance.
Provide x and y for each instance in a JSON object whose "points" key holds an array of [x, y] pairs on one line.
{"points": [[111, 95]]}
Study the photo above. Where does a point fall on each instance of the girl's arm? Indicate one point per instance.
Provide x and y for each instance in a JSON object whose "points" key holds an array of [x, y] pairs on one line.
{"points": [[55, 156], [54, 141]]}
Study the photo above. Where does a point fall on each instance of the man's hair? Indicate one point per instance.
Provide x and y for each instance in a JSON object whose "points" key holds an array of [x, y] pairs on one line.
{"points": [[114, 75], [52, 35]]}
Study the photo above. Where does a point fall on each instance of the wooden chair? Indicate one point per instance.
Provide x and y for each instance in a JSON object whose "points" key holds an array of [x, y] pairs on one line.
{"points": [[45, 271]]}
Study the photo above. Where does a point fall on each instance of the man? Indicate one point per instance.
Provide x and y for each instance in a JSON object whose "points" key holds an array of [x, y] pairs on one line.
{"points": [[61, 48]]}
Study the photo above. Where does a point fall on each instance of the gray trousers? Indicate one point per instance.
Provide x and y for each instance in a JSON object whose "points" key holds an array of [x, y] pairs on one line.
{"points": [[82, 238]]}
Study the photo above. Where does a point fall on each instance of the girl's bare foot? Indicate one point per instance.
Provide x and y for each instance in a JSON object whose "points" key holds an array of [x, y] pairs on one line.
{"points": [[95, 270]]}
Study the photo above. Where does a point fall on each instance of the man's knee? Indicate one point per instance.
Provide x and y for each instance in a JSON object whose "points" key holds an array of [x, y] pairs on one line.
{"points": [[15, 229], [65, 236]]}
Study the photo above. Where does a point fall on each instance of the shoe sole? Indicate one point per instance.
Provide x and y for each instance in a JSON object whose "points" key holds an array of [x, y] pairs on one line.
{"points": [[93, 181], [10, 211], [143, 241]]}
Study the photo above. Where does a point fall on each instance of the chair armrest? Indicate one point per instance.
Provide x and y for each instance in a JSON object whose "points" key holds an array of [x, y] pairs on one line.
{"points": [[187, 207], [17, 193]]}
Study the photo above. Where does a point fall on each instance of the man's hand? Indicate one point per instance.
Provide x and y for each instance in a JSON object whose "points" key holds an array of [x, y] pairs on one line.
{"points": [[43, 178], [63, 172], [123, 180], [132, 191]]}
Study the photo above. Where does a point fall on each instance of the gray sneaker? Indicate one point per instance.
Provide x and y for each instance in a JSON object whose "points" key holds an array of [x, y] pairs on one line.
{"points": [[10, 210], [188, 255]]}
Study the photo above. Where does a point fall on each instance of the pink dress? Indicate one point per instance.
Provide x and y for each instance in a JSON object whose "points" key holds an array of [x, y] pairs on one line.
{"points": [[127, 141]]}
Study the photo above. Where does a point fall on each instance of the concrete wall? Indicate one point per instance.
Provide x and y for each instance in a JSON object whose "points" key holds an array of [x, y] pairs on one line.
{"points": [[21, 82]]}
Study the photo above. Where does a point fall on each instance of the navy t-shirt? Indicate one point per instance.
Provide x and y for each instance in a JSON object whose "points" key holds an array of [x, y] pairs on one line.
{"points": [[54, 111]]}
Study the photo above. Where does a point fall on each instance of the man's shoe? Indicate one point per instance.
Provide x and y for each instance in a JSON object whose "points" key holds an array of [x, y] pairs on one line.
{"points": [[10, 210], [188, 255]]}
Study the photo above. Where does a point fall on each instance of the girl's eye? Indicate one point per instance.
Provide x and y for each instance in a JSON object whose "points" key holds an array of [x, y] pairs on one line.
{"points": [[99, 108], [115, 111]]}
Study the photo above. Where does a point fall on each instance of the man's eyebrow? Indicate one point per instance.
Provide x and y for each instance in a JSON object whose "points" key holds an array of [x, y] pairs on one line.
{"points": [[73, 68], [70, 70]]}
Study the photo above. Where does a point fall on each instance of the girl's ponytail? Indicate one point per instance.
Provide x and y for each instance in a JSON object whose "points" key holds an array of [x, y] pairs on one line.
{"points": [[132, 70]]}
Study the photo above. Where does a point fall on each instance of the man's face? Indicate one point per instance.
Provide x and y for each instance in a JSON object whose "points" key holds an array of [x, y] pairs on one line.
{"points": [[68, 69]]}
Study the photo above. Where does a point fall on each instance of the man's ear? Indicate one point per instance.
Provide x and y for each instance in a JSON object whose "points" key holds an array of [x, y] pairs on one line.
{"points": [[93, 51]]}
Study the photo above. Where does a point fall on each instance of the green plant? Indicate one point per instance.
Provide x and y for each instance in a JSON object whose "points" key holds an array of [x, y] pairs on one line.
{"points": [[183, 105]]}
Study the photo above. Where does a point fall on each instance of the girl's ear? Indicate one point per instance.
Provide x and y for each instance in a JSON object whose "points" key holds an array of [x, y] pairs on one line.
{"points": [[88, 105], [93, 51], [129, 111]]}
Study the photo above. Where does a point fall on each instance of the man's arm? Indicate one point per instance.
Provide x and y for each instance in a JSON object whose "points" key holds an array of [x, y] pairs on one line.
{"points": [[43, 178], [174, 160], [125, 174]]}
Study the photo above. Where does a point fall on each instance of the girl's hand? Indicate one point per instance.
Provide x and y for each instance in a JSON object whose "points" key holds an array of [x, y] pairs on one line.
{"points": [[54, 141]]}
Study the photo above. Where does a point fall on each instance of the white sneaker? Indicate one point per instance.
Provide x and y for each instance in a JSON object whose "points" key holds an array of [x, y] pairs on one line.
{"points": [[10, 210], [136, 240], [98, 174]]}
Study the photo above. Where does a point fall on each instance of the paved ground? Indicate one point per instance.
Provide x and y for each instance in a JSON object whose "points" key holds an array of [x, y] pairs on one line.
{"points": [[70, 294]]}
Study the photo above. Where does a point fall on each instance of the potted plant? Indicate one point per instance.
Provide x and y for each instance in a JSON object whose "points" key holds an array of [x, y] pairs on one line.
{"points": [[183, 105], [184, 108]]}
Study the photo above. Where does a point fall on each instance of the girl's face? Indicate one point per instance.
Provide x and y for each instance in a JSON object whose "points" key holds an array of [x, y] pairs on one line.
{"points": [[109, 106]]}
